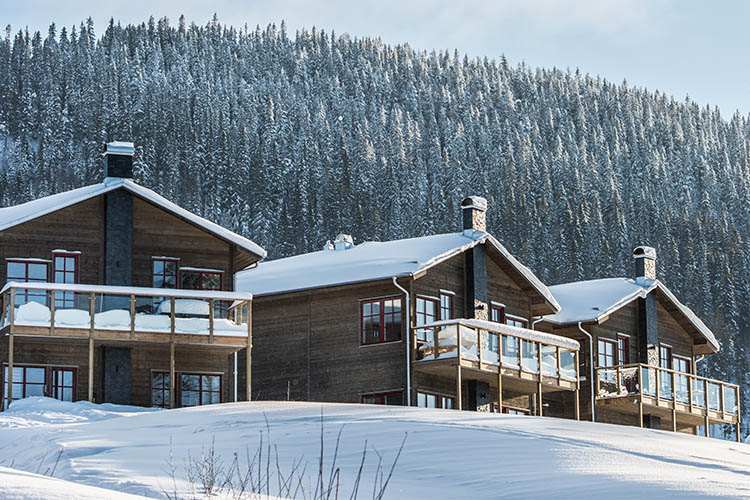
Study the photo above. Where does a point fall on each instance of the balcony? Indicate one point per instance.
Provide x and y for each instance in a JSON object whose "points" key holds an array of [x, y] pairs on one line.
{"points": [[125, 313], [507, 357], [684, 399]]}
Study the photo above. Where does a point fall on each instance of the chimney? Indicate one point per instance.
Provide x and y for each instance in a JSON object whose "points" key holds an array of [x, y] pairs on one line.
{"points": [[474, 208], [645, 264], [118, 159], [343, 242]]}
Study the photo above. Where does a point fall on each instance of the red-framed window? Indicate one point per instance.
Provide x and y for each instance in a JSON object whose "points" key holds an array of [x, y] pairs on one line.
{"points": [[50, 381], [511, 410], [515, 321], [665, 356], [160, 389], [606, 352], [164, 272], [200, 279], [428, 309], [197, 389], [446, 305], [380, 320], [28, 271], [681, 364], [623, 349], [65, 270], [497, 313], [392, 398], [433, 400]]}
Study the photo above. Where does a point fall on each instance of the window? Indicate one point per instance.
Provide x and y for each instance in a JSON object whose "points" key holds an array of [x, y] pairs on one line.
{"points": [[198, 390], [665, 356], [665, 378], [65, 271], [427, 311], [394, 398], [200, 279], [25, 271], [164, 272], [515, 321], [160, 389], [446, 305], [430, 400], [497, 313], [682, 382], [623, 349], [50, 381], [606, 352], [380, 320]]}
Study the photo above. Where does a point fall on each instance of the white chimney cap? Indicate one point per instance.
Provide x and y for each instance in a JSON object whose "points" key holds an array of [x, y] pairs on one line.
{"points": [[476, 202], [643, 251], [120, 148], [343, 241]]}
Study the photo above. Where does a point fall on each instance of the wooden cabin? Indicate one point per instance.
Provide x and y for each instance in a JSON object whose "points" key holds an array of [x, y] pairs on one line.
{"points": [[114, 294], [644, 347], [438, 321]]}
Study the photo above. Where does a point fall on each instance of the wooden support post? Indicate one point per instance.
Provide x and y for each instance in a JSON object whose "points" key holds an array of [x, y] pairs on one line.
{"points": [[499, 389], [479, 347], [690, 393], [557, 360], [540, 412], [723, 408], [92, 325], [578, 389], [435, 341], [248, 353], [705, 402], [739, 414], [52, 312], [171, 353], [705, 425], [619, 380], [658, 383], [211, 321], [11, 331], [459, 395], [132, 316], [674, 402]]}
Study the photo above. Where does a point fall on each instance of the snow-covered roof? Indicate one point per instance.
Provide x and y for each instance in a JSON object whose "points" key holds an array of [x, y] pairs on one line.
{"points": [[594, 300], [523, 333], [370, 261], [18, 214]]}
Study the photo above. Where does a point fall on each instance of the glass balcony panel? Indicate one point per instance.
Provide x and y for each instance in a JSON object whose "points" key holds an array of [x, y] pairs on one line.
{"points": [[699, 396], [607, 382], [628, 381], [490, 348], [510, 347], [730, 400], [665, 385], [72, 310], [549, 360], [530, 355], [567, 364], [714, 396], [681, 385], [648, 379], [469, 347]]}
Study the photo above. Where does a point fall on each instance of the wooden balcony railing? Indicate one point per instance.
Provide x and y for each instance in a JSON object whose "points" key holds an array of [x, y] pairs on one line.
{"points": [[59, 309], [677, 391]]}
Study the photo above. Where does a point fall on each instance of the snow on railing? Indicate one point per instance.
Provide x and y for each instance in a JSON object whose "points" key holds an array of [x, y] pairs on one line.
{"points": [[128, 309], [502, 346]]}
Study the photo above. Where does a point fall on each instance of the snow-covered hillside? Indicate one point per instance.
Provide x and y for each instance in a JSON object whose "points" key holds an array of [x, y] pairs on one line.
{"points": [[448, 454]]}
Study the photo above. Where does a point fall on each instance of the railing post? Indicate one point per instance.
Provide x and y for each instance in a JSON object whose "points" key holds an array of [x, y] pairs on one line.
{"points": [[435, 342], [52, 312], [172, 384], [132, 316], [723, 409], [557, 360], [598, 383], [479, 347], [578, 389], [499, 389], [519, 343], [210, 321], [658, 384], [739, 417], [619, 381], [459, 395], [705, 399], [674, 401], [690, 393], [639, 369]]}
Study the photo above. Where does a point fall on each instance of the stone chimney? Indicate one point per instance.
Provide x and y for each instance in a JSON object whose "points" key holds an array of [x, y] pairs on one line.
{"points": [[645, 264], [118, 159], [474, 208]]}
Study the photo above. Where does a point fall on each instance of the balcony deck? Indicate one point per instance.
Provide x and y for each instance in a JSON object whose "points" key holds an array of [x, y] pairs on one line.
{"points": [[508, 358], [102, 315], [683, 399]]}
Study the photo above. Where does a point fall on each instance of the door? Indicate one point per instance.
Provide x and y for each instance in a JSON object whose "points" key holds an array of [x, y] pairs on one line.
{"points": [[681, 382], [63, 383]]}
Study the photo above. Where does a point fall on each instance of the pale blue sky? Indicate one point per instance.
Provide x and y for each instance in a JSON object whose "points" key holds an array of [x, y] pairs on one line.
{"points": [[680, 47]]}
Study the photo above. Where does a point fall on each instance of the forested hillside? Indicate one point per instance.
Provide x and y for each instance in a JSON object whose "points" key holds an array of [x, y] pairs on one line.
{"points": [[290, 139]]}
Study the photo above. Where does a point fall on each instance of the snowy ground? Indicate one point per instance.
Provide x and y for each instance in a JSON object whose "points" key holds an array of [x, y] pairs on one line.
{"points": [[448, 454]]}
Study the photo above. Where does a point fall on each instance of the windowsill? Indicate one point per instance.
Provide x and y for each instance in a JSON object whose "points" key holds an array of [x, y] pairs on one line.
{"points": [[381, 343]]}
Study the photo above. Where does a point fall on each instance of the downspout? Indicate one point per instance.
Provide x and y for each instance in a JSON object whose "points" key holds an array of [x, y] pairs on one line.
{"points": [[591, 368], [533, 323], [408, 341]]}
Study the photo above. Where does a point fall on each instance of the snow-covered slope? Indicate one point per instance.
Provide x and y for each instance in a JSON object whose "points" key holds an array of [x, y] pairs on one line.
{"points": [[448, 454]]}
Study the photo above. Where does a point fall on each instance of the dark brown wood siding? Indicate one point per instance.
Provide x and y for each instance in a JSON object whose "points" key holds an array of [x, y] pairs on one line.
{"points": [[501, 288]]}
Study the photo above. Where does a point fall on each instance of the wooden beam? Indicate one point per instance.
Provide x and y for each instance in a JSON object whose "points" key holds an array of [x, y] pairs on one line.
{"points": [[459, 395], [172, 384], [739, 414], [132, 316], [674, 402], [248, 353], [640, 395], [92, 312], [578, 389], [11, 331], [499, 389], [52, 312], [540, 411], [210, 321]]}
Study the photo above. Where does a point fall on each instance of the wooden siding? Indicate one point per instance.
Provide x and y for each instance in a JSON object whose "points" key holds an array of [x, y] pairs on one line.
{"points": [[501, 288], [76, 228], [159, 233]]}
